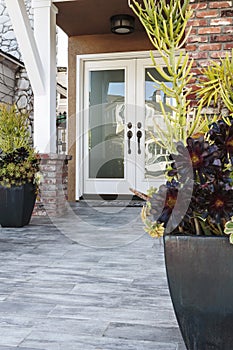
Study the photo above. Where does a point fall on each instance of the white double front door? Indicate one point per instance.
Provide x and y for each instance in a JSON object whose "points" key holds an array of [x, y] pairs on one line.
{"points": [[120, 104]]}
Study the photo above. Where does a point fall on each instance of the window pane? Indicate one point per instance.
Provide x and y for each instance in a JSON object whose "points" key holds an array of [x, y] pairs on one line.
{"points": [[155, 156], [106, 124]]}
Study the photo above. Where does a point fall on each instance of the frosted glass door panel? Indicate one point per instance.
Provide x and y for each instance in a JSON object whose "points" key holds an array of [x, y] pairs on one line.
{"points": [[106, 123], [155, 156], [120, 106]]}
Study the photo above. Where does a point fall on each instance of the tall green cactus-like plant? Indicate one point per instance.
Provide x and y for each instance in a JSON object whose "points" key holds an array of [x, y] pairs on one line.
{"points": [[216, 85], [19, 162], [165, 24], [14, 132]]}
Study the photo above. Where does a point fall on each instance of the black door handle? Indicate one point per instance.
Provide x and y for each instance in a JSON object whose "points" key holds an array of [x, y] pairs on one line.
{"points": [[139, 135], [129, 135]]}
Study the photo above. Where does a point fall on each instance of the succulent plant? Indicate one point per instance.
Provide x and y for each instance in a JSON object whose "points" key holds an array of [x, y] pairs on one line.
{"points": [[165, 23], [210, 204], [198, 195], [19, 163]]}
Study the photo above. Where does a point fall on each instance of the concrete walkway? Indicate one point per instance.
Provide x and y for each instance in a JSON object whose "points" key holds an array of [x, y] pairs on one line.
{"points": [[91, 280]]}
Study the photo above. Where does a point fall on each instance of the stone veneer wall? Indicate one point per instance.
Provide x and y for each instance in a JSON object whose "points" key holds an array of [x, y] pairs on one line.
{"points": [[8, 41], [53, 189], [23, 92], [23, 95]]}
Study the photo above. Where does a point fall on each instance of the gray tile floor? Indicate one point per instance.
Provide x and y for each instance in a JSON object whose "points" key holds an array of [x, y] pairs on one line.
{"points": [[91, 280]]}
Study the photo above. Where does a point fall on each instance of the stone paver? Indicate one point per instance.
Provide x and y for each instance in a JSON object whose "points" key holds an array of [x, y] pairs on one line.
{"points": [[91, 280]]}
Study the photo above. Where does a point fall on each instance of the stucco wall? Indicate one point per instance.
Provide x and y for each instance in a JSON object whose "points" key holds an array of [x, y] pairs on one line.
{"points": [[93, 44]]}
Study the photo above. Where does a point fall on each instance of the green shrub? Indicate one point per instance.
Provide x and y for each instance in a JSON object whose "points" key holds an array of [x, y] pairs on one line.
{"points": [[19, 163]]}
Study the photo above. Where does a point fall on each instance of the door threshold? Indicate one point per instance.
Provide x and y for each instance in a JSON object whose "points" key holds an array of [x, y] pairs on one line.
{"points": [[109, 201], [110, 197]]}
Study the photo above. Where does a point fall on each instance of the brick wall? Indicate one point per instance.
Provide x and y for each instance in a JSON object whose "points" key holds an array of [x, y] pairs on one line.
{"points": [[211, 35], [212, 30], [53, 188]]}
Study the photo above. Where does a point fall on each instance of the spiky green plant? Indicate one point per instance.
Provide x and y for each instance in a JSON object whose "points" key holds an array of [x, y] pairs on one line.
{"points": [[203, 178], [216, 84], [165, 23], [14, 129], [19, 163]]}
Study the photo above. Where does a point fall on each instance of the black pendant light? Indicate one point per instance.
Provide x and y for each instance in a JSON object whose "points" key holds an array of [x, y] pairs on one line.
{"points": [[122, 24]]}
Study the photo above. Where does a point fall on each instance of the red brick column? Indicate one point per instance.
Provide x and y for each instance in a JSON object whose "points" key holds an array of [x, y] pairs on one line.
{"points": [[212, 30], [212, 33], [53, 187]]}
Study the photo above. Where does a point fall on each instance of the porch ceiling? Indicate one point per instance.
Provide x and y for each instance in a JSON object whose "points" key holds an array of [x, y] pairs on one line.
{"points": [[86, 17]]}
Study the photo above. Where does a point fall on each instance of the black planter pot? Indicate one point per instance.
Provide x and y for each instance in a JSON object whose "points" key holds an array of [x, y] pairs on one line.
{"points": [[200, 278], [16, 205]]}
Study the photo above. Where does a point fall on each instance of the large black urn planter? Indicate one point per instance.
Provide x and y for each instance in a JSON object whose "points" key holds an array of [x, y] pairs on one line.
{"points": [[16, 205], [200, 278]]}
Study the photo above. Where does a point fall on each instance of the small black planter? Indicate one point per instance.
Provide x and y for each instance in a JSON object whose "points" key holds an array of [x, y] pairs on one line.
{"points": [[16, 205], [200, 278]]}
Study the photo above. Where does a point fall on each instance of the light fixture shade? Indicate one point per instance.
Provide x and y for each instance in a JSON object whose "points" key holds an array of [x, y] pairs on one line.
{"points": [[122, 24]]}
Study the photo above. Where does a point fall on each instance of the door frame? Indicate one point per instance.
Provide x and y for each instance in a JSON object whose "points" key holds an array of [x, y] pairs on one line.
{"points": [[80, 62], [110, 185]]}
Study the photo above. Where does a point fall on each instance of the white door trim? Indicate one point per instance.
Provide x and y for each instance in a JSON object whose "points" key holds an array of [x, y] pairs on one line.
{"points": [[111, 185], [80, 61]]}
